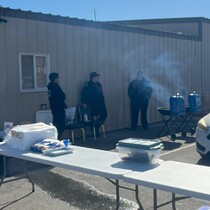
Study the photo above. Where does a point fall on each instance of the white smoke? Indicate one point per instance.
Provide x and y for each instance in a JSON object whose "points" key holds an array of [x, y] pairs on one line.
{"points": [[167, 77]]}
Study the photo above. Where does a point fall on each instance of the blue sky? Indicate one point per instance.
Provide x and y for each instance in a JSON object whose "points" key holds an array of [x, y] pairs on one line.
{"points": [[115, 9]]}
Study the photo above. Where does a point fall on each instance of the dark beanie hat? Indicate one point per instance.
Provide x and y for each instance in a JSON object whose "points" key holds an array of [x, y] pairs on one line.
{"points": [[94, 74], [53, 76]]}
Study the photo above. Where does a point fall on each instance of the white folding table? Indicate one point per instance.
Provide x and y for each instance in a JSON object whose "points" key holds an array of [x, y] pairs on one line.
{"points": [[175, 177], [92, 161]]}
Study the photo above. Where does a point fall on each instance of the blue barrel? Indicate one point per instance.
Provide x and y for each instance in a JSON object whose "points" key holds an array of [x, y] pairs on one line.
{"points": [[177, 105], [194, 102]]}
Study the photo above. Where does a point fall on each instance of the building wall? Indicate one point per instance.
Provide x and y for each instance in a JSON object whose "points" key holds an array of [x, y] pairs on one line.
{"points": [[205, 65], [172, 64]]}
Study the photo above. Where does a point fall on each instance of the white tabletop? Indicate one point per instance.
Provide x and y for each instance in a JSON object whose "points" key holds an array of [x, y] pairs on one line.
{"points": [[176, 177], [92, 161]]}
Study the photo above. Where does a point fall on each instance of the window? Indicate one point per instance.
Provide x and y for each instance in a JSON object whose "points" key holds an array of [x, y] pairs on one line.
{"points": [[34, 69]]}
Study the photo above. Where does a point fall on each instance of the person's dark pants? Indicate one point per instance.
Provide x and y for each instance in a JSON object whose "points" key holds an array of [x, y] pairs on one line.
{"points": [[59, 121], [136, 105], [101, 112]]}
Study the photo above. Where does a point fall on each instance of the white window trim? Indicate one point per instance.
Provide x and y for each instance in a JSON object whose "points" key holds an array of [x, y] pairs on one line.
{"points": [[35, 89]]}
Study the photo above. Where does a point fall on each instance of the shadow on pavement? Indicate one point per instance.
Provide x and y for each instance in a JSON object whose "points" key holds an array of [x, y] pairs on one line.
{"points": [[5, 205], [77, 193], [112, 138], [15, 167], [171, 145]]}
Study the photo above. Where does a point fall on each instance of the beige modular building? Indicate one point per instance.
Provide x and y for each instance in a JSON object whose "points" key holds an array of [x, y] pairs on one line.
{"points": [[172, 53]]}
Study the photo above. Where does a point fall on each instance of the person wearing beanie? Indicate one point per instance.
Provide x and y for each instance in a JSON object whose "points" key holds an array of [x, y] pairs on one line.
{"points": [[57, 99], [92, 95]]}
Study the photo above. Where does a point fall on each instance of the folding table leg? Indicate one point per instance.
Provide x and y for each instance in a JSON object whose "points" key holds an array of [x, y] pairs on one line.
{"points": [[117, 188], [173, 201], [137, 197], [27, 174], [155, 199], [4, 168], [25, 170], [117, 195]]}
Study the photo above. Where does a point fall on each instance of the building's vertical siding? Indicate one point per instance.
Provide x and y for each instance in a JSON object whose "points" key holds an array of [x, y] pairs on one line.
{"points": [[79, 67], [171, 64], [126, 79], [205, 57], [130, 57], [5, 80], [69, 63], [112, 79], [12, 85], [51, 41], [34, 35], [60, 53], [122, 90], [85, 53], [205, 64]]}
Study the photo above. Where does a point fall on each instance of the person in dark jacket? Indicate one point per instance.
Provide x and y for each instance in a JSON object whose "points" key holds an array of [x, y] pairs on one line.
{"points": [[139, 92], [57, 99], [92, 95]]}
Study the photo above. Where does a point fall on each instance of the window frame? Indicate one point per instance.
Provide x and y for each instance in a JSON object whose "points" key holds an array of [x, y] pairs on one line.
{"points": [[34, 55]]}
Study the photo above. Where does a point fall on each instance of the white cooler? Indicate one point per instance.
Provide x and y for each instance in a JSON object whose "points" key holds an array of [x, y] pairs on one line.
{"points": [[24, 136]]}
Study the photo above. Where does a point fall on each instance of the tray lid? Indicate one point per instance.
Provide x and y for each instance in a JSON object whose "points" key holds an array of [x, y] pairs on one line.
{"points": [[139, 143]]}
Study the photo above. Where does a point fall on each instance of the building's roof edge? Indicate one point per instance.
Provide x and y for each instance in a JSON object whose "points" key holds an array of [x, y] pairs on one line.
{"points": [[161, 20], [17, 13]]}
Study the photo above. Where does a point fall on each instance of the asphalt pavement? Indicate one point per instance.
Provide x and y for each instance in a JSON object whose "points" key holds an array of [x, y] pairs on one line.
{"points": [[57, 188]]}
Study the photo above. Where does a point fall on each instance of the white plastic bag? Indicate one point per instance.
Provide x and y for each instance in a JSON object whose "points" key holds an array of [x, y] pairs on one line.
{"points": [[70, 113]]}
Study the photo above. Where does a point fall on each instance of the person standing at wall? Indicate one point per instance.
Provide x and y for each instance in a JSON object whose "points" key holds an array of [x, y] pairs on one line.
{"points": [[57, 99], [139, 92], [92, 95]]}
